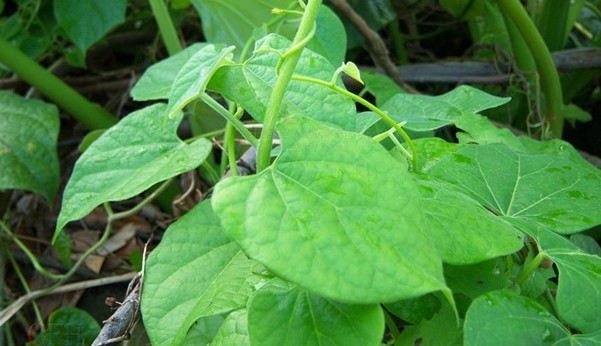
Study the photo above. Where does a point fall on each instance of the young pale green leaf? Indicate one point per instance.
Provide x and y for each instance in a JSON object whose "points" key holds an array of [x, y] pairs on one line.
{"points": [[475, 279], [251, 84], [441, 329], [341, 209], [424, 113], [579, 289], [85, 22], [463, 231], [193, 77], [559, 192], [501, 316], [196, 271], [141, 150], [233, 331], [156, 82], [28, 133], [233, 21], [352, 71], [280, 314]]}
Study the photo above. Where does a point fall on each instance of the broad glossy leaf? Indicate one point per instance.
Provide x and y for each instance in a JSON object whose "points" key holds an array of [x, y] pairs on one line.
{"points": [[424, 113], [234, 330], [441, 329], [431, 150], [501, 316], [586, 243], [28, 133], [86, 21], [558, 192], [463, 231], [193, 77], [232, 21], [579, 289], [138, 152], [196, 271], [341, 210], [251, 85], [285, 315], [155, 83]]}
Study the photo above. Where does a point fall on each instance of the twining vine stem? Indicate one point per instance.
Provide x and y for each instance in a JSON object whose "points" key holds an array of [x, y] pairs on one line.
{"points": [[371, 107], [287, 67]]}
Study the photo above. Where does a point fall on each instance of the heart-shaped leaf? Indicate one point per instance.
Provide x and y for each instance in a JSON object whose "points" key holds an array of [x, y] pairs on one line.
{"points": [[559, 192], [155, 83], [251, 85], [28, 133], [233, 331], [424, 113], [280, 314], [463, 231], [196, 271], [141, 150], [497, 317], [341, 210], [193, 77]]}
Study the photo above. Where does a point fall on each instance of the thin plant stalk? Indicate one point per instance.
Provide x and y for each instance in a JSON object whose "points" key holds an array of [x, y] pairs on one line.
{"points": [[272, 113], [91, 115], [166, 27]]}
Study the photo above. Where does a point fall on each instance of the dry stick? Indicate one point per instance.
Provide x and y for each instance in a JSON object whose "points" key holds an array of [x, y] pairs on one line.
{"points": [[377, 48], [13, 308]]}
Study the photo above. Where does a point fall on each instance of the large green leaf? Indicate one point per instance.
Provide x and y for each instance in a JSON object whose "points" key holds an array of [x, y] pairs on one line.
{"points": [[138, 152], [579, 288], [86, 21], [156, 82], [499, 317], [463, 231], [196, 271], [341, 209], [28, 133], [280, 314], [559, 192], [424, 113], [193, 77], [251, 85], [233, 331], [233, 21]]}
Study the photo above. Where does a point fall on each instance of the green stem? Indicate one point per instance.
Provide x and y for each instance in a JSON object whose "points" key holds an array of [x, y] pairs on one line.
{"points": [[552, 23], [530, 267], [286, 70], [166, 27], [394, 330], [371, 107], [89, 114], [546, 67], [229, 142], [17, 269], [230, 118]]}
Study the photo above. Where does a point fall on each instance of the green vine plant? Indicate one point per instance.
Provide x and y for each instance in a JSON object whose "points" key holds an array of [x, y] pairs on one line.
{"points": [[341, 237]]}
